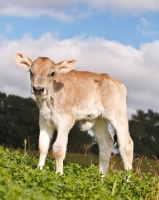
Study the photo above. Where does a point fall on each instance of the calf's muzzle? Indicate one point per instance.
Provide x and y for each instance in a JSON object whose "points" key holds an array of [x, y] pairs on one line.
{"points": [[38, 90]]}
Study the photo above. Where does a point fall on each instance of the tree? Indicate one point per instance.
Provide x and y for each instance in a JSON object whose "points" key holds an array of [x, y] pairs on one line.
{"points": [[144, 129], [77, 139], [19, 120]]}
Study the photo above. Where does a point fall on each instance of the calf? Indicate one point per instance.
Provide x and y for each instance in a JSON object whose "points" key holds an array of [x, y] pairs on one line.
{"points": [[64, 96]]}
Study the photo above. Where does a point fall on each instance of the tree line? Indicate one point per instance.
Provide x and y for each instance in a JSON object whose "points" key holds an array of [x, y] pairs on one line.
{"points": [[19, 121]]}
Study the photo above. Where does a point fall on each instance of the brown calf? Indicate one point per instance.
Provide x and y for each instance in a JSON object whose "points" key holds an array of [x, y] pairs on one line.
{"points": [[64, 95]]}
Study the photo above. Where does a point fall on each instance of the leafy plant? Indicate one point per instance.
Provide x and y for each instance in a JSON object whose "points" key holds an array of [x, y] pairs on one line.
{"points": [[20, 179]]}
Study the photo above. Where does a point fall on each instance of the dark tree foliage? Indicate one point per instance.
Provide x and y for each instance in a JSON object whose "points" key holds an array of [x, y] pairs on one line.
{"points": [[95, 149], [19, 120], [144, 130], [77, 139]]}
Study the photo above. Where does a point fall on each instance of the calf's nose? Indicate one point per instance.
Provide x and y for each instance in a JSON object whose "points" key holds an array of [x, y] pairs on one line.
{"points": [[38, 90]]}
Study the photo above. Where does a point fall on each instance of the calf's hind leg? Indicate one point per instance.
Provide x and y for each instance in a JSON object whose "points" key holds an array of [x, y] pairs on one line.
{"points": [[124, 141], [105, 143]]}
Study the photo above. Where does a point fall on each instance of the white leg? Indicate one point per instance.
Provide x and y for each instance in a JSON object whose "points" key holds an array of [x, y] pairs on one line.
{"points": [[60, 145], [105, 143], [46, 133], [124, 141]]}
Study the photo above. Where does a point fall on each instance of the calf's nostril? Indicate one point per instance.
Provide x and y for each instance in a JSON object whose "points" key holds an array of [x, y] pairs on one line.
{"points": [[38, 90]]}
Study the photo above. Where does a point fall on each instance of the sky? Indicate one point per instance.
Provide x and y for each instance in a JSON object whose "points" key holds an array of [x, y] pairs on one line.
{"points": [[117, 37]]}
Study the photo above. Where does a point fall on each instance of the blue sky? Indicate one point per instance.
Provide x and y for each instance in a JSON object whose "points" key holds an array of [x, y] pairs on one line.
{"points": [[125, 28], [118, 37]]}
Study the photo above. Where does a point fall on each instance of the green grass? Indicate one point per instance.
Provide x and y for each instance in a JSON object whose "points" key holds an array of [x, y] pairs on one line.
{"points": [[21, 180], [141, 164]]}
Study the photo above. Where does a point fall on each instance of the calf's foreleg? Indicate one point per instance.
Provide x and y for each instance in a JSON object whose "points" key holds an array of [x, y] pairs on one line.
{"points": [[60, 145], [46, 133]]}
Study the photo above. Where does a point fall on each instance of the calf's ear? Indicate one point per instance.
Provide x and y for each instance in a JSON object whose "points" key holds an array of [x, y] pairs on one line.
{"points": [[23, 61], [65, 66]]}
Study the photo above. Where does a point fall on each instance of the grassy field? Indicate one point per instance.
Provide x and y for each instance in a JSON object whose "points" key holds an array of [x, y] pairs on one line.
{"points": [[141, 164], [20, 179]]}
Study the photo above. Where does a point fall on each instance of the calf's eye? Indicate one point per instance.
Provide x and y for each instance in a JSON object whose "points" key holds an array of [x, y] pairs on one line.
{"points": [[52, 74]]}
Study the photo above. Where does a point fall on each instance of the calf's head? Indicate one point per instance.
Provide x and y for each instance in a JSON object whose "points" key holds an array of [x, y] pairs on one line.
{"points": [[42, 72]]}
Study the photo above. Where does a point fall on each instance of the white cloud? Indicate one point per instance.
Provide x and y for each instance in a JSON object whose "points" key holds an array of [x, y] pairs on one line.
{"points": [[144, 21], [137, 69], [149, 33], [5, 28], [130, 7], [68, 10], [146, 29], [65, 10]]}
